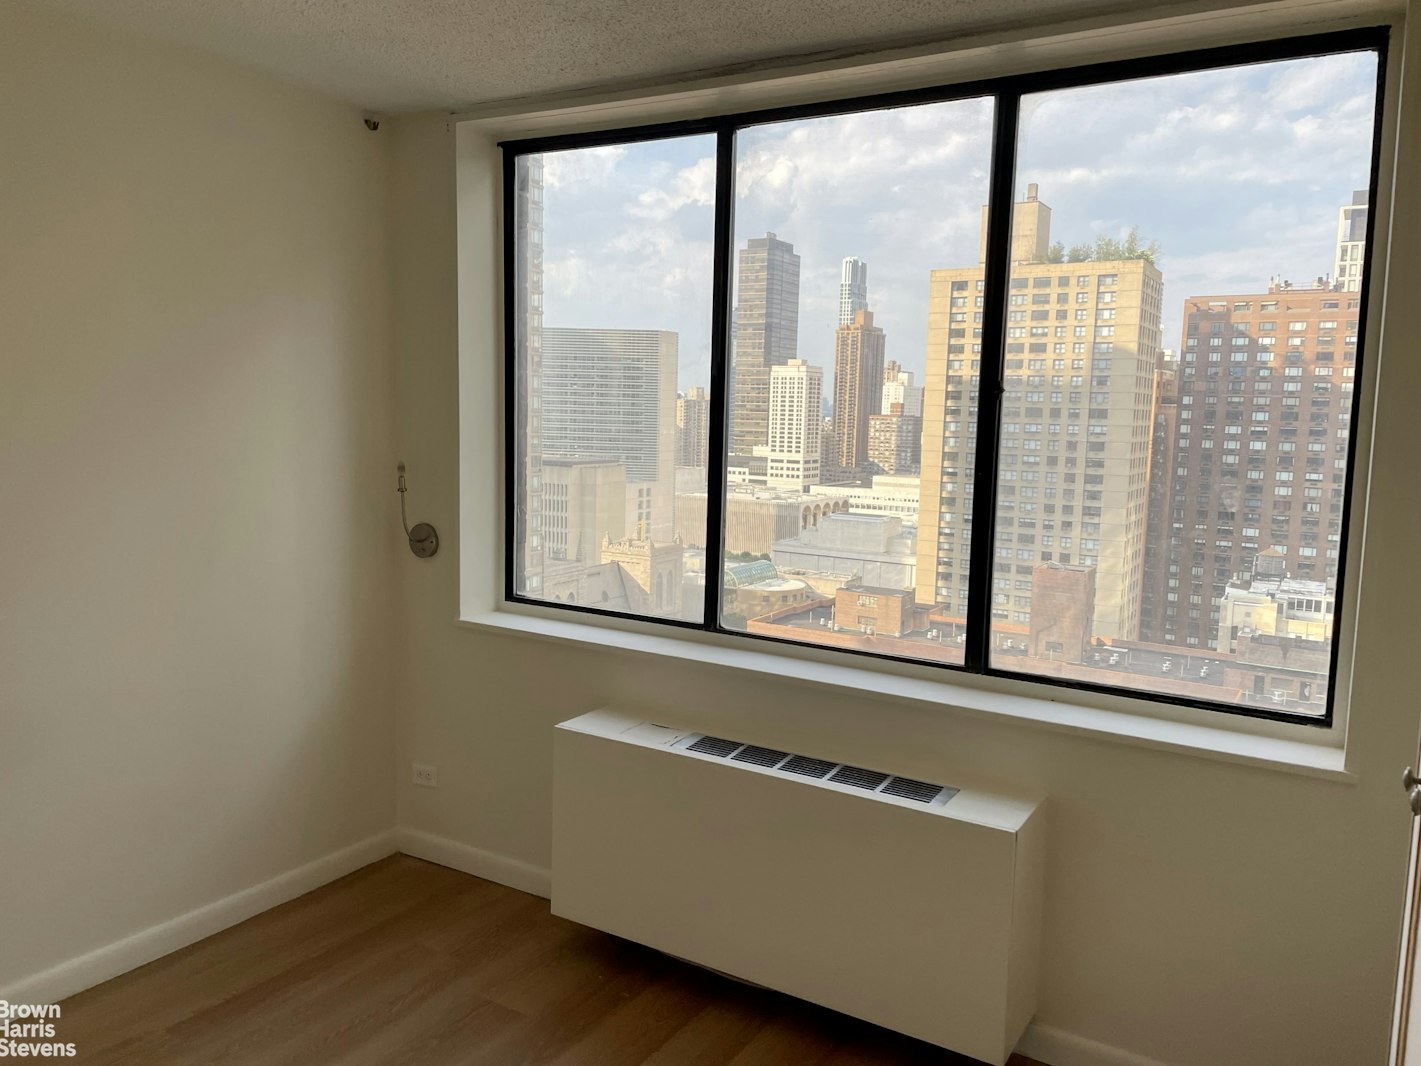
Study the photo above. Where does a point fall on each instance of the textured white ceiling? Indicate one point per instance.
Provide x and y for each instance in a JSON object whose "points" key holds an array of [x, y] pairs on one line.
{"points": [[397, 56]]}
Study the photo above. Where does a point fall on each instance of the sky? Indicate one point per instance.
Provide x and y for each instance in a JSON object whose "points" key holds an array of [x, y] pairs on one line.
{"points": [[1237, 173]]}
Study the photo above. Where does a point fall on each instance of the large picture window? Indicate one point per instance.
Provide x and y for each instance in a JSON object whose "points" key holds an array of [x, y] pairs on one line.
{"points": [[768, 372]]}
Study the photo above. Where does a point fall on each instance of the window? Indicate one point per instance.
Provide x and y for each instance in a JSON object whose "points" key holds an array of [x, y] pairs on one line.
{"points": [[710, 408]]}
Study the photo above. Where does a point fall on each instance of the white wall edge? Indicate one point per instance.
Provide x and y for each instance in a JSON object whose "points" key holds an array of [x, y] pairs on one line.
{"points": [[491, 866], [138, 949], [1060, 1048]]}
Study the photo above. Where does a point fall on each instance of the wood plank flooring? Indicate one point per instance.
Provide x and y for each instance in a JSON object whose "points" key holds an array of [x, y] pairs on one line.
{"points": [[406, 962]]}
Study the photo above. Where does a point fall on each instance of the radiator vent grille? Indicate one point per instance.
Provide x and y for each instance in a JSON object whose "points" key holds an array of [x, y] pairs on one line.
{"points": [[906, 787], [822, 769], [715, 746], [858, 777], [760, 756], [803, 764]]}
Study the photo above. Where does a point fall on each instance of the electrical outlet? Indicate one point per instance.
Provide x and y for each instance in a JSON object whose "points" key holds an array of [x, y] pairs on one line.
{"points": [[424, 775]]}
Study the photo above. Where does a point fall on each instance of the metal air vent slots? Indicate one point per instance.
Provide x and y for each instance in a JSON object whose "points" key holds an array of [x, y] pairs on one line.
{"points": [[760, 756], [907, 788], [802, 764], [714, 746], [858, 777]]}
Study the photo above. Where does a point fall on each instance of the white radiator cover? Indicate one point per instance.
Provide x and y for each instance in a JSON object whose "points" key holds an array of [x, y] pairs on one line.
{"points": [[921, 918]]}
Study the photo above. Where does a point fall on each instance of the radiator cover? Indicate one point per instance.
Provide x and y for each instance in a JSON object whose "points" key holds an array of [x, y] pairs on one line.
{"points": [[923, 917]]}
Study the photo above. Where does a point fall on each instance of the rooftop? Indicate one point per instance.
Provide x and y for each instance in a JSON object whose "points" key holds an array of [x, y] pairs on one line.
{"points": [[877, 590], [777, 584]]}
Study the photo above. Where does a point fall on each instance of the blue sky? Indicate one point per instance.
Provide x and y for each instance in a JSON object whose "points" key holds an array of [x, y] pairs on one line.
{"points": [[1238, 173]]}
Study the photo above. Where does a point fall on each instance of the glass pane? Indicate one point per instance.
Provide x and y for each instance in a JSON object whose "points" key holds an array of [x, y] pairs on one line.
{"points": [[1181, 340], [840, 508], [612, 375]]}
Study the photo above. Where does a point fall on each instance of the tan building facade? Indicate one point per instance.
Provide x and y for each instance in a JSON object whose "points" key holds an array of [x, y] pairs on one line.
{"points": [[1062, 610], [693, 427], [654, 568], [874, 610], [1081, 351], [895, 441], [858, 389], [584, 501], [756, 518]]}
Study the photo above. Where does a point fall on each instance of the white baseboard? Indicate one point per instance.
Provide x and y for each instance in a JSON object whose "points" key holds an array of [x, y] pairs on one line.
{"points": [[1060, 1048], [95, 967], [471, 860]]}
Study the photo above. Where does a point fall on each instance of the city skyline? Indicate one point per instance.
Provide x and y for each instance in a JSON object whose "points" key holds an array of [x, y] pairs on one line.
{"points": [[1262, 605], [1096, 469], [1193, 142]]}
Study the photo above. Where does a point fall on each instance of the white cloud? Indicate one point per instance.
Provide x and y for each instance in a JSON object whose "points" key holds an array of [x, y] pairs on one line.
{"points": [[1238, 173], [692, 186], [581, 166]]}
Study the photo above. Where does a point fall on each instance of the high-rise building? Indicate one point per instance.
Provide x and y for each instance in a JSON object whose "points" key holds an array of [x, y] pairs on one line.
{"points": [[1257, 463], [529, 320], [584, 501], [898, 387], [1082, 345], [1166, 417], [611, 394], [1351, 242], [766, 335], [1030, 230], [693, 426], [796, 399], [853, 289], [895, 441], [858, 389], [829, 472]]}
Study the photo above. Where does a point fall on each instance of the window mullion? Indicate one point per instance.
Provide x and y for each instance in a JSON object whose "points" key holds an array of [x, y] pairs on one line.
{"points": [[989, 381], [513, 419], [724, 227]]}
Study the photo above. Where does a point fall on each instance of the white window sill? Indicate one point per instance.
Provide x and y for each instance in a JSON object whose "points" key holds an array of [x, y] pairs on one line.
{"points": [[1204, 741]]}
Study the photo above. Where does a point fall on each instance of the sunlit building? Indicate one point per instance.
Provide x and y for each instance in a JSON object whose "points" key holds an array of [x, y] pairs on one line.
{"points": [[898, 387], [693, 427], [858, 390], [894, 441], [584, 501], [796, 402], [1082, 347]]}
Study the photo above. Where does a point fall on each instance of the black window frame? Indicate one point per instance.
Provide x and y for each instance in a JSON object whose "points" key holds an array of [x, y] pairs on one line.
{"points": [[1006, 93]]}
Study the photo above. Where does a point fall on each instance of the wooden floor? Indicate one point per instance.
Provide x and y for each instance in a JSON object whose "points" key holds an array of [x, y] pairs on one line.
{"points": [[408, 962]]}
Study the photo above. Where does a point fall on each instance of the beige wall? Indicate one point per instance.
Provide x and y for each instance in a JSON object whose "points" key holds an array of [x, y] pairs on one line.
{"points": [[197, 528], [1198, 912]]}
